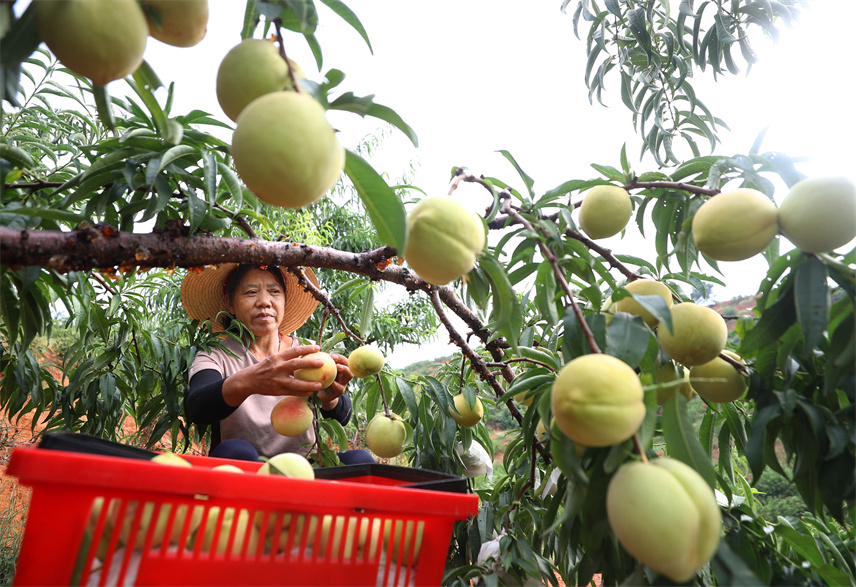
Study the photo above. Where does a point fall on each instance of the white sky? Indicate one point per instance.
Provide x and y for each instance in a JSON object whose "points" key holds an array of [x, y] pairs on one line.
{"points": [[472, 77]]}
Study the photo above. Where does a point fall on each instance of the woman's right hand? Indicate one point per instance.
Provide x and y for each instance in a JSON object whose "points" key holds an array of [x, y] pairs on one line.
{"points": [[274, 376]]}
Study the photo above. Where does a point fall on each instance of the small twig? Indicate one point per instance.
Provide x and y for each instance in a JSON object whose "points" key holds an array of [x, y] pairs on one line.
{"points": [[670, 185], [462, 175], [638, 447], [560, 275], [386, 409], [100, 279], [278, 26], [520, 360], [36, 185], [479, 365], [605, 253], [734, 363], [321, 297], [323, 323]]}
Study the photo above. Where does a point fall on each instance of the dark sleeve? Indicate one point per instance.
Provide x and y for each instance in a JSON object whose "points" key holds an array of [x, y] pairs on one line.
{"points": [[342, 411], [205, 403]]}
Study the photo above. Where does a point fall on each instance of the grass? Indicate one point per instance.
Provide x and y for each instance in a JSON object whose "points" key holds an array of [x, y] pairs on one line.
{"points": [[13, 508]]}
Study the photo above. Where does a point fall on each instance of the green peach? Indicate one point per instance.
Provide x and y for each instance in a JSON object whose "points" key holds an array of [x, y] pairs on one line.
{"points": [[719, 381], [102, 40], [251, 69], [698, 336], [597, 400], [735, 225], [644, 287], [443, 239], [665, 515], [285, 150], [605, 211], [819, 214]]}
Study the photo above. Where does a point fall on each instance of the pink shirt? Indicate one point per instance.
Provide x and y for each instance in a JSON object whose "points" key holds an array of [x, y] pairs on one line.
{"points": [[251, 421]]}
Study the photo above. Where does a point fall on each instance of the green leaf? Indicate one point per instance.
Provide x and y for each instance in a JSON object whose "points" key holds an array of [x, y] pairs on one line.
{"points": [[104, 107], [545, 293], [507, 311], [52, 214], [16, 156], [20, 40], [627, 338], [365, 106], [526, 179], [348, 16], [774, 322], [609, 172], [682, 440], [140, 85], [335, 430], [757, 437], [383, 205], [811, 301], [625, 166], [177, 152], [478, 286], [367, 314], [572, 186], [315, 47]]}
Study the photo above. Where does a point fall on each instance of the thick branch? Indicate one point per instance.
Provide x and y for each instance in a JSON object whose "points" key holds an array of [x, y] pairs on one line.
{"points": [[104, 247]]}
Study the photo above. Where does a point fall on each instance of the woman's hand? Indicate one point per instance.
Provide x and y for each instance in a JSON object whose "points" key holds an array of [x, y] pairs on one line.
{"points": [[330, 397], [275, 376]]}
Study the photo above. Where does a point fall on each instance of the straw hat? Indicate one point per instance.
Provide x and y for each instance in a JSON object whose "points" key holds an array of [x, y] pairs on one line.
{"points": [[203, 295]]}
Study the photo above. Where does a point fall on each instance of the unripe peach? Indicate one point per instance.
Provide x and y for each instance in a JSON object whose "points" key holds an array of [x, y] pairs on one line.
{"points": [[160, 524], [725, 384], [291, 416], [365, 362], [102, 40], [819, 214], [244, 531], [665, 515], [644, 287], [183, 23], [387, 435], [466, 416], [325, 374], [285, 150], [605, 211], [289, 464], [668, 373], [598, 400], [698, 336], [251, 69], [735, 225], [443, 239]]}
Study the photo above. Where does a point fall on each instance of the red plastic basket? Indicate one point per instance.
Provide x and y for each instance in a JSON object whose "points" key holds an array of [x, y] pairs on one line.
{"points": [[105, 520]]}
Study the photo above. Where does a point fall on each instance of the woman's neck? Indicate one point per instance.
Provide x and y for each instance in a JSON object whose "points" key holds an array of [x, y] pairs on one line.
{"points": [[265, 346]]}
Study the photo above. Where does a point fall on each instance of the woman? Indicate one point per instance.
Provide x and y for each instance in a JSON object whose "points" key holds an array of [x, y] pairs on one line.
{"points": [[233, 389]]}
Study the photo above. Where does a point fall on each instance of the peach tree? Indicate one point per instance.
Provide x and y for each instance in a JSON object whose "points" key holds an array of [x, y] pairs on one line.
{"points": [[83, 171]]}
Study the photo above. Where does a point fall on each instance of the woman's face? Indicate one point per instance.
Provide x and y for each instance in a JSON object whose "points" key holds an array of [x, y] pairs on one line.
{"points": [[259, 302]]}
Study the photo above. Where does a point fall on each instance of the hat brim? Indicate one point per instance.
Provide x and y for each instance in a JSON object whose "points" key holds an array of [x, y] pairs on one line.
{"points": [[204, 298]]}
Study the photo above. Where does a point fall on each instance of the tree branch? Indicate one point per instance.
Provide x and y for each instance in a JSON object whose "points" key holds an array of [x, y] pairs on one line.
{"points": [[324, 300], [480, 366], [670, 185], [557, 271]]}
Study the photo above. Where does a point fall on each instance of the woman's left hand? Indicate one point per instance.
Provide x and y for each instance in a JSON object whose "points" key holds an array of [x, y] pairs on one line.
{"points": [[330, 397]]}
